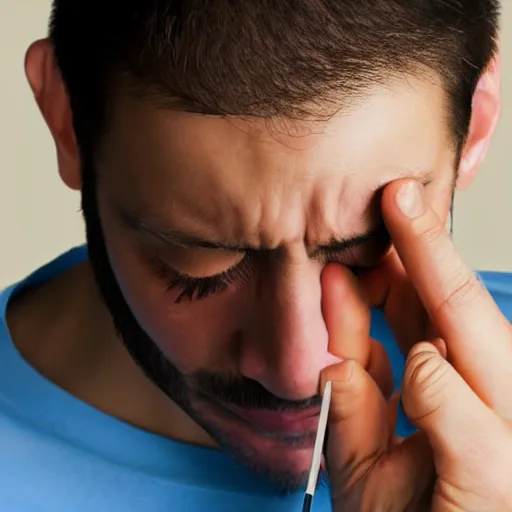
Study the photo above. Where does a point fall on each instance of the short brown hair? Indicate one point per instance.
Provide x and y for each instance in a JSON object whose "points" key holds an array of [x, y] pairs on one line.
{"points": [[264, 57]]}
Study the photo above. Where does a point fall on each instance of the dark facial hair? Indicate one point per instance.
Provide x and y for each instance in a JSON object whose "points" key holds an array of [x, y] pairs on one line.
{"points": [[228, 390]]}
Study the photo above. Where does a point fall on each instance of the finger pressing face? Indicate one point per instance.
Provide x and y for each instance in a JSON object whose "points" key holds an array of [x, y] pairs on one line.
{"points": [[347, 316], [477, 335]]}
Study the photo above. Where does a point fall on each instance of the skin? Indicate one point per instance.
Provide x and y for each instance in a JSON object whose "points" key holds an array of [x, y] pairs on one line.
{"points": [[460, 457], [285, 192]]}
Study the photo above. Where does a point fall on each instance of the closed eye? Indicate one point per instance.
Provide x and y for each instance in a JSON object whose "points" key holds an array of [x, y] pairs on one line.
{"points": [[198, 288]]}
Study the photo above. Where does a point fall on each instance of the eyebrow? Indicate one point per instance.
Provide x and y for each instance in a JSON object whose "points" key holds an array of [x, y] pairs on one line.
{"points": [[156, 229]]}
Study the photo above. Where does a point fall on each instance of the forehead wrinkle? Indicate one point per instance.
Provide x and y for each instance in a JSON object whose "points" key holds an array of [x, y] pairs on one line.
{"points": [[245, 187], [323, 210], [247, 215], [265, 202], [282, 212]]}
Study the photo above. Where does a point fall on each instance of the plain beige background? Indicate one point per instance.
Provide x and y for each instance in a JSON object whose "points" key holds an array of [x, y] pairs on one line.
{"points": [[39, 217]]}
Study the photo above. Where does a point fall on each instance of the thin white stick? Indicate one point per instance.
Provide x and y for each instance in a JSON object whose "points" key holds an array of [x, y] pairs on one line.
{"points": [[319, 441]]}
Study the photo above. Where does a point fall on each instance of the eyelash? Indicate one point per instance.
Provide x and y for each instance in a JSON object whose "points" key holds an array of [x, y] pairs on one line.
{"points": [[198, 288]]}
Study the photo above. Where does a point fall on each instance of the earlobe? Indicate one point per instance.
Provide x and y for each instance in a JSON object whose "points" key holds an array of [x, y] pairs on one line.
{"points": [[486, 110], [51, 96]]}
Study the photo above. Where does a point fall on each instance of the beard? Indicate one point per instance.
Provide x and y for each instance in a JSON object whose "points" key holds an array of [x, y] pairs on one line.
{"points": [[159, 369]]}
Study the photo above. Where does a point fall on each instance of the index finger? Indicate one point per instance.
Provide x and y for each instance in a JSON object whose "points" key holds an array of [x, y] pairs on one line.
{"points": [[477, 335]]}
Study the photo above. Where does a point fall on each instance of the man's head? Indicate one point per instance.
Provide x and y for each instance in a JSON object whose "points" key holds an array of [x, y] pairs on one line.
{"points": [[227, 150]]}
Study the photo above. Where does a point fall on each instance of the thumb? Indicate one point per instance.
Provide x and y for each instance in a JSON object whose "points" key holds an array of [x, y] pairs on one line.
{"points": [[441, 404]]}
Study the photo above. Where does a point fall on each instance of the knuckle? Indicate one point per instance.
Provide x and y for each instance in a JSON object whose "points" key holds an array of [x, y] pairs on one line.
{"points": [[429, 229], [425, 375], [460, 285], [426, 370], [462, 288]]}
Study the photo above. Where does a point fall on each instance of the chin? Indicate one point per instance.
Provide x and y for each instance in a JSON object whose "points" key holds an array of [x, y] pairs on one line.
{"points": [[283, 459], [283, 465]]}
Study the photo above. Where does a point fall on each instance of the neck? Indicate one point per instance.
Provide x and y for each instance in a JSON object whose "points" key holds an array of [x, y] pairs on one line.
{"points": [[65, 332]]}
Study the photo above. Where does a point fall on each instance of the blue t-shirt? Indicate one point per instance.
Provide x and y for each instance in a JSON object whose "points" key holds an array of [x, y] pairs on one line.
{"points": [[57, 453]]}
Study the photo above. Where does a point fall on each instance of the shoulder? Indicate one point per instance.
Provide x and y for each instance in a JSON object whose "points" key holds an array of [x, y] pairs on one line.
{"points": [[499, 285]]}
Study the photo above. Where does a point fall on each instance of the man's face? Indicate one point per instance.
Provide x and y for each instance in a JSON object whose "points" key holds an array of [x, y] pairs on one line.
{"points": [[217, 230]]}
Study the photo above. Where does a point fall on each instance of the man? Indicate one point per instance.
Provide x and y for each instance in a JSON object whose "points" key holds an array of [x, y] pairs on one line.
{"points": [[253, 177]]}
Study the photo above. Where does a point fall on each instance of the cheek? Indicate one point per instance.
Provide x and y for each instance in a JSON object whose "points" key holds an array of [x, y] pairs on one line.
{"points": [[193, 334]]}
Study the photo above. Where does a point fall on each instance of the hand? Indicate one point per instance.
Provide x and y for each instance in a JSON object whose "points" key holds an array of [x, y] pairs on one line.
{"points": [[455, 387]]}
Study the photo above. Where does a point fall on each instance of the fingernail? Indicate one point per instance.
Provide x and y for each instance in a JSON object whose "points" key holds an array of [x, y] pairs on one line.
{"points": [[404, 428], [410, 199]]}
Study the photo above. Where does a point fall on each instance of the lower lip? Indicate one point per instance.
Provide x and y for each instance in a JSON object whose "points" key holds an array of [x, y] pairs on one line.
{"points": [[284, 423]]}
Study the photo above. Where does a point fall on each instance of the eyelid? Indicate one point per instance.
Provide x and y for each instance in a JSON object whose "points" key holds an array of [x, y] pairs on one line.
{"points": [[179, 273], [193, 264], [202, 287]]}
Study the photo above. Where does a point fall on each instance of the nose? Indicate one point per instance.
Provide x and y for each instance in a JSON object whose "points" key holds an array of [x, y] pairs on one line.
{"points": [[286, 345]]}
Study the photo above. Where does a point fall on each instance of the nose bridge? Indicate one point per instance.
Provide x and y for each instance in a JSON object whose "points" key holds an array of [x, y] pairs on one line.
{"points": [[287, 347]]}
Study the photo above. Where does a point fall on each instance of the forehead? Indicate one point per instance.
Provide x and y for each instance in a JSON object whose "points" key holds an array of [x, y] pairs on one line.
{"points": [[197, 168]]}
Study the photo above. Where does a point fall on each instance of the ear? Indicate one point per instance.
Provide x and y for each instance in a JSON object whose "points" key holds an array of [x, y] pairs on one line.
{"points": [[51, 96], [486, 110]]}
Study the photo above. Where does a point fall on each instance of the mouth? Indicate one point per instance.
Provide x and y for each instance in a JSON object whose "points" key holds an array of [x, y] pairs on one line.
{"points": [[285, 423], [289, 426]]}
